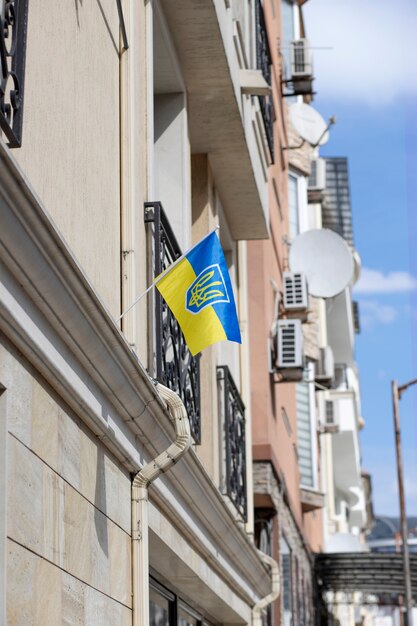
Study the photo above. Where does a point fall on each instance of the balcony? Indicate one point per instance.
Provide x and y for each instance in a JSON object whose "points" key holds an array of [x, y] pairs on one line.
{"points": [[232, 416], [264, 62], [340, 327], [300, 79], [174, 365], [346, 454], [13, 27], [206, 48]]}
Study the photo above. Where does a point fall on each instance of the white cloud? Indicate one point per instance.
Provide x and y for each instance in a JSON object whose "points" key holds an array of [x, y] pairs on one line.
{"points": [[373, 312], [373, 281], [373, 48]]}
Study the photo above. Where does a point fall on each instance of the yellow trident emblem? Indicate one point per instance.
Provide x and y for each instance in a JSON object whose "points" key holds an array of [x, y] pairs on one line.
{"points": [[208, 287]]}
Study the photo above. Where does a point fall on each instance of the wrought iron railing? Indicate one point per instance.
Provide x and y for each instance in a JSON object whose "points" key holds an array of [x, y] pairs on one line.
{"points": [[233, 418], [174, 364], [13, 29], [264, 61]]}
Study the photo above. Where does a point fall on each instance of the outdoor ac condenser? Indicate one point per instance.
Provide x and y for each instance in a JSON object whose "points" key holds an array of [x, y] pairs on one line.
{"points": [[289, 346], [301, 61], [328, 420], [325, 366], [329, 416], [295, 291], [317, 178]]}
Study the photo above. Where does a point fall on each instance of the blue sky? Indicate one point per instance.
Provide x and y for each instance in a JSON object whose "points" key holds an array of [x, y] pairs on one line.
{"points": [[366, 79]]}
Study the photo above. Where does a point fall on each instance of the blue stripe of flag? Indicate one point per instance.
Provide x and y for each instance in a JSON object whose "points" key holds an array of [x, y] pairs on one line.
{"points": [[209, 252]]}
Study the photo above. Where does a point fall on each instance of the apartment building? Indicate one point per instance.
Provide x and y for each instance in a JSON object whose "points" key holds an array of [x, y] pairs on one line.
{"points": [[129, 130], [345, 485], [286, 448], [346, 510]]}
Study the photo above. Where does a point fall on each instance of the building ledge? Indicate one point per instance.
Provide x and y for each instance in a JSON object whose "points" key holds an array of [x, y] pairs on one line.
{"points": [[311, 500]]}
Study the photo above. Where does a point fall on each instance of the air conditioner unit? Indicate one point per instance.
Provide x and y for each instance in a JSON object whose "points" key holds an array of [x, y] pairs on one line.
{"points": [[289, 348], [329, 417], [324, 371], [301, 61], [295, 291], [328, 423], [317, 178]]}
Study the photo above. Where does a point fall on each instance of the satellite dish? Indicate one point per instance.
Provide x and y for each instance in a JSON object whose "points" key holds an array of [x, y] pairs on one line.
{"points": [[309, 124], [325, 259]]}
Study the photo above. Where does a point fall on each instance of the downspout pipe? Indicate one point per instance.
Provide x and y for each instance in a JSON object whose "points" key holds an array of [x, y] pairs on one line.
{"points": [[140, 485], [274, 593]]}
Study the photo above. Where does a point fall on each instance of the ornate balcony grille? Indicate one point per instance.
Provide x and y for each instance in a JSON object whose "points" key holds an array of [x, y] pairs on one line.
{"points": [[174, 365], [232, 411], [263, 62], [13, 28]]}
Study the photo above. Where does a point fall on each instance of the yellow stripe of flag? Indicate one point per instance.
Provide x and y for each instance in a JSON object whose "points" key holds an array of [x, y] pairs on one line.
{"points": [[173, 288]]}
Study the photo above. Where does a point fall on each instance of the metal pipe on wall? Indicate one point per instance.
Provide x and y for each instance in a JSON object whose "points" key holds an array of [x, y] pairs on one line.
{"points": [[140, 534], [273, 595], [396, 395]]}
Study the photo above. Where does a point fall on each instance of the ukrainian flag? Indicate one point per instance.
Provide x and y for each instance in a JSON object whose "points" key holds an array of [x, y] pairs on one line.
{"points": [[199, 293]]}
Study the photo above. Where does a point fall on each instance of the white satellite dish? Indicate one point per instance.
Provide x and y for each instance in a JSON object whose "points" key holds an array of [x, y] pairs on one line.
{"points": [[309, 124], [325, 259]]}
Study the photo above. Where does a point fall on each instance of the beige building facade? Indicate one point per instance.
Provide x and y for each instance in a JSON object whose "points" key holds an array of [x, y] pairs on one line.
{"points": [[129, 130], [131, 150]]}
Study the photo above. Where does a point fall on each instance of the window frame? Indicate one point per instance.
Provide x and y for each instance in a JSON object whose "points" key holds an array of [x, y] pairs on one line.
{"points": [[175, 604], [310, 382], [287, 612]]}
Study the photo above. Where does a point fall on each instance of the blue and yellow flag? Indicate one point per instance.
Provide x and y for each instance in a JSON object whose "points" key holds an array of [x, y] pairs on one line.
{"points": [[199, 293]]}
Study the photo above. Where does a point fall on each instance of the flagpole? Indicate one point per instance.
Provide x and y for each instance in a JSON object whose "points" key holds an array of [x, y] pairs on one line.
{"points": [[168, 269]]}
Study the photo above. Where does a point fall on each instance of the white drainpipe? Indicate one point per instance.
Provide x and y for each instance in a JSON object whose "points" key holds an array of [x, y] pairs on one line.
{"points": [[140, 484], [273, 595]]}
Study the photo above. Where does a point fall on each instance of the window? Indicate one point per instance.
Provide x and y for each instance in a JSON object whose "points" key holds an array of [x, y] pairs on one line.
{"points": [[293, 207], [301, 597], [170, 175], [290, 31], [287, 590], [159, 608], [228, 352], [167, 609], [186, 617], [305, 429], [299, 217]]}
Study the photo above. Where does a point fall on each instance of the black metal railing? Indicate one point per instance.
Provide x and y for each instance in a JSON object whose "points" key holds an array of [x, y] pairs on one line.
{"points": [[233, 417], [13, 29], [264, 62], [174, 364]]}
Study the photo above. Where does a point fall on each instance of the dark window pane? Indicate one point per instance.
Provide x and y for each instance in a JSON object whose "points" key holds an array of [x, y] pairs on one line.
{"points": [[158, 609]]}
